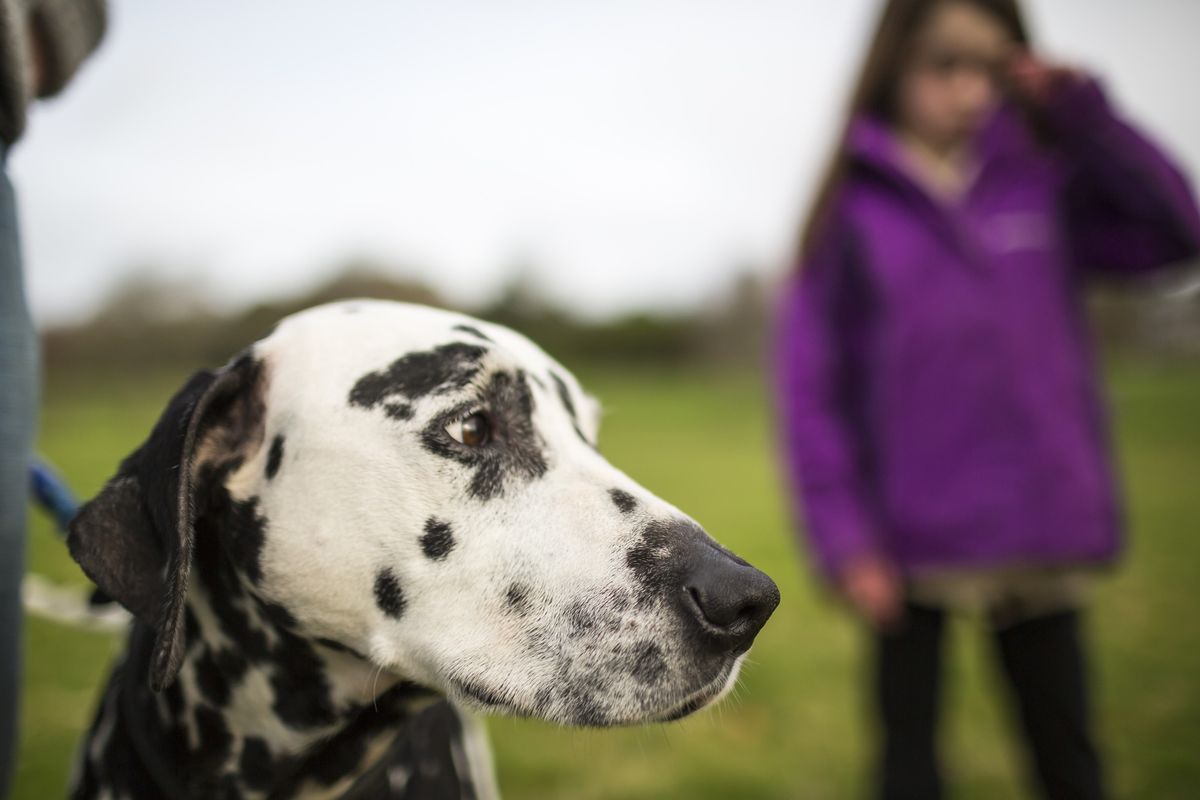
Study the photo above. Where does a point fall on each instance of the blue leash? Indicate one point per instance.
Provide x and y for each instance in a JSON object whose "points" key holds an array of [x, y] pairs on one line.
{"points": [[52, 494]]}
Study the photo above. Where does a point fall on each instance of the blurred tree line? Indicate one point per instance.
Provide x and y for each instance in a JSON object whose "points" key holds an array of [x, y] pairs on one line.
{"points": [[150, 323]]}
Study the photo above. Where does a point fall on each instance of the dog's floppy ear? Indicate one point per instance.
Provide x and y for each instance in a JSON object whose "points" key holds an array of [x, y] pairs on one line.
{"points": [[134, 539]]}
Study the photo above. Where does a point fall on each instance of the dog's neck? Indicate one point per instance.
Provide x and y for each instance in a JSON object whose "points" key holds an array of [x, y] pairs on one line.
{"points": [[258, 703]]}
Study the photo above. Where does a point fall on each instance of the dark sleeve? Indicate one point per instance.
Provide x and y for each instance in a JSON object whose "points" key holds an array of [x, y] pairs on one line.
{"points": [[1128, 206]]}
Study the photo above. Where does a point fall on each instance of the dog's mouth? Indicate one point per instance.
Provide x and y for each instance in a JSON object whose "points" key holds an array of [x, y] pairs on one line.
{"points": [[493, 699], [703, 696]]}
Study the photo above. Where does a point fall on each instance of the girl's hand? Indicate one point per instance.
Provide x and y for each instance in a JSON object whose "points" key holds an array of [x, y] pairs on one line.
{"points": [[1037, 80], [873, 587]]}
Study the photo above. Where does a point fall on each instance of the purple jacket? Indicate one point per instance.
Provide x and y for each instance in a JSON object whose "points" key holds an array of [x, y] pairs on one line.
{"points": [[935, 378]]}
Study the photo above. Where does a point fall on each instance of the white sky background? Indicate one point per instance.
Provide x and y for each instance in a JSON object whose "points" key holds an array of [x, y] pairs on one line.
{"points": [[635, 153]]}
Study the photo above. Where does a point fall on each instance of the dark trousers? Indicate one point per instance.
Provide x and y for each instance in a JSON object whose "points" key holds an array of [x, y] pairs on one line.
{"points": [[1043, 662]]}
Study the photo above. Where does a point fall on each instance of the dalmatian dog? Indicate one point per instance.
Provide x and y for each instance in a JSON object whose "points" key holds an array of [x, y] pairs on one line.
{"points": [[375, 523]]}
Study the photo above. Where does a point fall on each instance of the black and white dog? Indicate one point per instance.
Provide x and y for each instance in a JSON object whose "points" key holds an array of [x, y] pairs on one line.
{"points": [[378, 519]]}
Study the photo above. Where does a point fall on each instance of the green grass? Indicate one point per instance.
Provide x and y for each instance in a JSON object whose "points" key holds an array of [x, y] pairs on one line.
{"points": [[796, 726]]}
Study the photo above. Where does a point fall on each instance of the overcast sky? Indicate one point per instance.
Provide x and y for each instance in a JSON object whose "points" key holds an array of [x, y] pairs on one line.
{"points": [[634, 153]]}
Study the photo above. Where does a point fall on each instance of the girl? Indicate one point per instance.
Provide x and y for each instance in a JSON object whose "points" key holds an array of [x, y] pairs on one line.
{"points": [[935, 381]]}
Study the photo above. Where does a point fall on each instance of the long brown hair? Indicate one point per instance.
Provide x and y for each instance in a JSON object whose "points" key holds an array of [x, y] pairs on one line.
{"points": [[876, 88]]}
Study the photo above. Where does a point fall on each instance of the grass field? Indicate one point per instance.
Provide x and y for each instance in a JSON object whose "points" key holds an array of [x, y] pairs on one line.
{"points": [[795, 727]]}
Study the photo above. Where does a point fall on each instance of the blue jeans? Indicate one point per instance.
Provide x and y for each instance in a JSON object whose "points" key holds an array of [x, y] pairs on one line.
{"points": [[18, 408]]}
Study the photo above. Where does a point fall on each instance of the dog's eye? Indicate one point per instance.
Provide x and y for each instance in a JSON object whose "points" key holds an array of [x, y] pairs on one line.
{"points": [[473, 430]]}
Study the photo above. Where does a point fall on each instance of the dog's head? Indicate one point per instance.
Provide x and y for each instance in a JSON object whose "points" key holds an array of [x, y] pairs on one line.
{"points": [[425, 490]]}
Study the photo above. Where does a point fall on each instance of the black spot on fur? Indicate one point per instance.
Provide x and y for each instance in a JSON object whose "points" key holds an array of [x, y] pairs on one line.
{"points": [[623, 500], [232, 664], [173, 695], [515, 450], [235, 623], [214, 738], [302, 698], [416, 375], [229, 788], [648, 665], [191, 629], [209, 678], [244, 533], [517, 598], [172, 733], [564, 394], [274, 456], [438, 540], [400, 411], [388, 594], [339, 757], [216, 551], [586, 712], [256, 765], [89, 783], [581, 619], [472, 330], [618, 600], [277, 614]]}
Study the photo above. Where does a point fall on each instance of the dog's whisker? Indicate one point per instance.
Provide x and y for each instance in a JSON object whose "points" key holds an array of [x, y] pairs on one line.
{"points": [[375, 686]]}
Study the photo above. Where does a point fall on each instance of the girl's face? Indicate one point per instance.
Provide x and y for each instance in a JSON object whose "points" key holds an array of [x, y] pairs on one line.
{"points": [[953, 79]]}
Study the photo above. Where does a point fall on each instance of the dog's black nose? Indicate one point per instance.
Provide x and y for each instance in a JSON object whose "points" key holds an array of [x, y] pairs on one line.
{"points": [[730, 599]]}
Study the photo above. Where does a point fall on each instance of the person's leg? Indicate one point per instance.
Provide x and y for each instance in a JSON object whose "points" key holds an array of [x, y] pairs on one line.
{"points": [[18, 381], [1043, 660], [908, 666]]}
